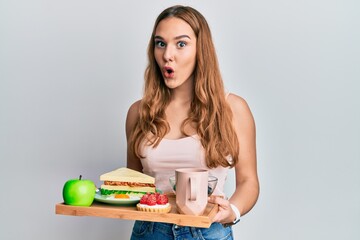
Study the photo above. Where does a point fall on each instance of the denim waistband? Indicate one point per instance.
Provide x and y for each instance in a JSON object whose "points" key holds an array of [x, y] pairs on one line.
{"points": [[162, 231]]}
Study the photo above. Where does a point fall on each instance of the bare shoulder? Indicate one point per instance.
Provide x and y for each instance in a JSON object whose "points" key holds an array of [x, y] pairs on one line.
{"points": [[242, 116], [134, 109], [238, 104], [132, 116]]}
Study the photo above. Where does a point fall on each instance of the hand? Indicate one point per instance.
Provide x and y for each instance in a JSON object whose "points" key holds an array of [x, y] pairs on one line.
{"points": [[225, 213]]}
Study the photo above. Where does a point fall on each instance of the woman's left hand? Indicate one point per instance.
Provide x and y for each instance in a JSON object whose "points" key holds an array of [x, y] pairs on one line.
{"points": [[225, 213]]}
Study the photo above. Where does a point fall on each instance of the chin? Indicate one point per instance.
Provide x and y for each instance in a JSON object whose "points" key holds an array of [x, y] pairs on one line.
{"points": [[170, 83]]}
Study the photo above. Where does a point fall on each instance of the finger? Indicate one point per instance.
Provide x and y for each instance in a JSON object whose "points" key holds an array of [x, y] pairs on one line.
{"points": [[216, 218], [220, 217], [218, 200]]}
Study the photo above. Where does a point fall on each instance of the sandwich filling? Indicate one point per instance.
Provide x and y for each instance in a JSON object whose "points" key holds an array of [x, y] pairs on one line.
{"points": [[130, 184], [127, 181]]}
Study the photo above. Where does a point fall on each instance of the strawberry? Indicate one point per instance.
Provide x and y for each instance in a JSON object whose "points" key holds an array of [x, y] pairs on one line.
{"points": [[151, 200], [144, 198], [162, 199]]}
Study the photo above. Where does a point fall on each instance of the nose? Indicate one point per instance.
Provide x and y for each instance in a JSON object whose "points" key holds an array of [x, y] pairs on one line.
{"points": [[168, 54]]}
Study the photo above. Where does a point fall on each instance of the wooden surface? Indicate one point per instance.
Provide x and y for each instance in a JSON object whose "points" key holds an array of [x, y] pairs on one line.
{"points": [[131, 213]]}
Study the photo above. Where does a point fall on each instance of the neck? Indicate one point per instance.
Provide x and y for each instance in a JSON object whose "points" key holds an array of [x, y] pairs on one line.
{"points": [[183, 94]]}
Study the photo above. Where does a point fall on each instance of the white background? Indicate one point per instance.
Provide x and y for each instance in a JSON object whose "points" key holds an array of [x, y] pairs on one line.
{"points": [[69, 70]]}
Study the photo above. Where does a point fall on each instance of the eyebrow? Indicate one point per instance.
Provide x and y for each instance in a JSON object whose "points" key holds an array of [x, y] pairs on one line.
{"points": [[177, 37]]}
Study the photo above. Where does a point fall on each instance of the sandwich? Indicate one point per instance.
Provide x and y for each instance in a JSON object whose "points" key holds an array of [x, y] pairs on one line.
{"points": [[127, 181]]}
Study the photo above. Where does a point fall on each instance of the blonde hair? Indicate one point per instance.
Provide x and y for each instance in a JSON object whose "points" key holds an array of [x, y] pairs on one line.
{"points": [[209, 112]]}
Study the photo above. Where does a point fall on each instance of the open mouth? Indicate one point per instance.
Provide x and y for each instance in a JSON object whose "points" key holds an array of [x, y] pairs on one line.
{"points": [[168, 72]]}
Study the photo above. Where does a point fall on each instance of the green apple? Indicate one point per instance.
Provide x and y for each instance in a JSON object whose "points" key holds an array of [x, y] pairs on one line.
{"points": [[78, 192]]}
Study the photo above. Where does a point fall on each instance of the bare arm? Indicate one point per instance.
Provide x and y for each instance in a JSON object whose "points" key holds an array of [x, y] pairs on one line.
{"points": [[247, 184], [133, 162]]}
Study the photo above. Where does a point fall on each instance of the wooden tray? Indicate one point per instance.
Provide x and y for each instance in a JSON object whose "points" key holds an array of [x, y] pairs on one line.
{"points": [[131, 213]]}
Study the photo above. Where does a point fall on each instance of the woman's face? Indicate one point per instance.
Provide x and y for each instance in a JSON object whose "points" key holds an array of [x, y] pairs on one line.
{"points": [[175, 51]]}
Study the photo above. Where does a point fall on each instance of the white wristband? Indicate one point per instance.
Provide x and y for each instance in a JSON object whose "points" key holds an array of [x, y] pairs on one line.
{"points": [[237, 213]]}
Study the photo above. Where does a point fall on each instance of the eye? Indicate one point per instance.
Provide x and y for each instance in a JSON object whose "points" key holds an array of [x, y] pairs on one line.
{"points": [[160, 44], [181, 44]]}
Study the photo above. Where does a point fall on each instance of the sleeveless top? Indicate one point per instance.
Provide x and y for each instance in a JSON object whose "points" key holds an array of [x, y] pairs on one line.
{"points": [[187, 152], [171, 154]]}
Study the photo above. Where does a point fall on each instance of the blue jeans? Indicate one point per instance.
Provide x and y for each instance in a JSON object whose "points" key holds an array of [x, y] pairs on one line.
{"points": [[163, 231]]}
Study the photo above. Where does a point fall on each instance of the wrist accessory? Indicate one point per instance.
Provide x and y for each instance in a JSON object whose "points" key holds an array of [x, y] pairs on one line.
{"points": [[237, 219], [237, 213]]}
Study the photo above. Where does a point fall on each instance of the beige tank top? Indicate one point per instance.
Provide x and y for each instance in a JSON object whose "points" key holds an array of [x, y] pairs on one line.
{"points": [[161, 162]]}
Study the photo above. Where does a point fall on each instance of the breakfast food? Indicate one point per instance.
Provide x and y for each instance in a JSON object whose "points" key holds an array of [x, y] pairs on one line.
{"points": [[154, 202], [121, 196], [127, 182]]}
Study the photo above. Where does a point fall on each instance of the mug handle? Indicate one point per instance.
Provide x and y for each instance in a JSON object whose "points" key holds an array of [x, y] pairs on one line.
{"points": [[192, 188]]}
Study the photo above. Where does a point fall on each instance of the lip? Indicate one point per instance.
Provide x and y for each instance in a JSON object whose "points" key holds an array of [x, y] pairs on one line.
{"points": [[168, 72]]}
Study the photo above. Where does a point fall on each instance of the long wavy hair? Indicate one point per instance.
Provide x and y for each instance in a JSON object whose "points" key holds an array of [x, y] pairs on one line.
{"points": [[210, 114]]}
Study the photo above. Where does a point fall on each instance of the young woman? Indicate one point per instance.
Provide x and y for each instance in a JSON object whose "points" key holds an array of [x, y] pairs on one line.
{"points": [[186, 119]]}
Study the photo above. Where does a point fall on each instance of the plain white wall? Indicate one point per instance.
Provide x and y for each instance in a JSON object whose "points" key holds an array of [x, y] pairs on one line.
{"points": [[69, 70]]}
